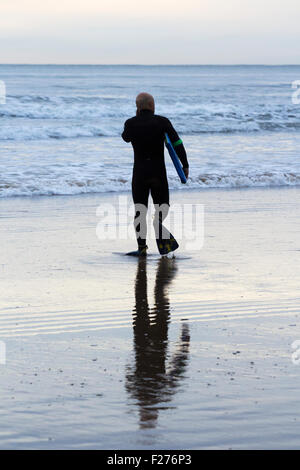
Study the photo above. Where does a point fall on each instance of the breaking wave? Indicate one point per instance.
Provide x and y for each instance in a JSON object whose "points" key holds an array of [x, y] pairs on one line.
{"points": [[46, 186], [35, 117]]}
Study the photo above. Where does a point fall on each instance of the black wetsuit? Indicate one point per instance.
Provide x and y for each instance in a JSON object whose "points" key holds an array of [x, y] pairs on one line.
{"points": [[146, 132]]}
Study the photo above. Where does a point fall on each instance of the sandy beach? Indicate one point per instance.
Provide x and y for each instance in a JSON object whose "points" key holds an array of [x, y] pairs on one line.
{"points": [[108, 352]]}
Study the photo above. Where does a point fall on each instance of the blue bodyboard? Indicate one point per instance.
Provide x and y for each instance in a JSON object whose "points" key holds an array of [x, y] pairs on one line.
{"points": [[175, 160]]}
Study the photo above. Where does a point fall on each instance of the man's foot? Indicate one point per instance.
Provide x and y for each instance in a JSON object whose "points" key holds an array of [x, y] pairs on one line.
{"points": [[141, 251]]}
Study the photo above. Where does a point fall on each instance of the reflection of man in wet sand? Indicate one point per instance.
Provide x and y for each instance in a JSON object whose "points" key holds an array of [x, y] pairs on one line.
{"points": [[152, 382]]}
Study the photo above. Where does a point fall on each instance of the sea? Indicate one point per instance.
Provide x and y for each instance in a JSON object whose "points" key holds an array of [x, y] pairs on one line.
{"points": [[61, 126]]}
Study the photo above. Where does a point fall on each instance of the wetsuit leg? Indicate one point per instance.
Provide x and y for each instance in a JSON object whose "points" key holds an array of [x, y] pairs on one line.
{"points": [[140, 194], [159, 190], [160, 195]]}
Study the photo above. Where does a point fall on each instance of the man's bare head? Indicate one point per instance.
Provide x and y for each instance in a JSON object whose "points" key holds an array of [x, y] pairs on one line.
{"points": [[145, 101]]}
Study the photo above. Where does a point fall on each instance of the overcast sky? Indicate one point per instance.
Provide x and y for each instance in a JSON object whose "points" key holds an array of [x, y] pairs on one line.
{"points": [[150, 32]]}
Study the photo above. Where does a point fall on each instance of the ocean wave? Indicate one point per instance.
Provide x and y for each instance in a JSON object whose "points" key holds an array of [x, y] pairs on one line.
{"points": [[69, 107], [65, 130], [265, 179], [67, 186], [27, 133], [86, 116]]}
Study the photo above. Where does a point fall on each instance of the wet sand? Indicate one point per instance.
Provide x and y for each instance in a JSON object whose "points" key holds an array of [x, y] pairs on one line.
{"points": [[109, 352]]}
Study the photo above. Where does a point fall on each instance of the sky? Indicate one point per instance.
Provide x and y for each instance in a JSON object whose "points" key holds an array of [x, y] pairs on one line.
{"points": [[150, 32]]}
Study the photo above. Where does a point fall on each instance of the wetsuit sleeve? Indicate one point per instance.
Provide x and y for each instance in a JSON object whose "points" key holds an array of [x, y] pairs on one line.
{"points": [[126, 135], [177, 144]]}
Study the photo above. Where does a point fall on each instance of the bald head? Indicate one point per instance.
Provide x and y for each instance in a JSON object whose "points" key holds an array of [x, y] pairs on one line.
{"points": [[145, 101]]}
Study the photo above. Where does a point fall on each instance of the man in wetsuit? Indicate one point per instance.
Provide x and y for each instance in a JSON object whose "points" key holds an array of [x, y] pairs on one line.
{"points": [[146, 132]]}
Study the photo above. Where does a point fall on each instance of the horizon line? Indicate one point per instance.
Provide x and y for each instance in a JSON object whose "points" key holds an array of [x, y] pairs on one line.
{"points": [[151, 65]]}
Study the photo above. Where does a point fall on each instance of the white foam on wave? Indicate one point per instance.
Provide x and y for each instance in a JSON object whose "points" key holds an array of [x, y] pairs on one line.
{"points": [[266, 179], [27, 133], [47, 186], [68, 113]]}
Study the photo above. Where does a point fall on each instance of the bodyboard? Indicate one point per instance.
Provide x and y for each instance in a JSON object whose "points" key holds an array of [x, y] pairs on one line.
{"points": [[175, 159]]}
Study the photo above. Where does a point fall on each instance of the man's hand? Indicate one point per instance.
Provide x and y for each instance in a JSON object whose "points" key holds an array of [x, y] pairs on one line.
{"points": [[186, 172]]}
